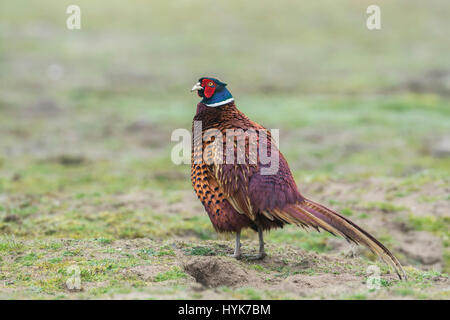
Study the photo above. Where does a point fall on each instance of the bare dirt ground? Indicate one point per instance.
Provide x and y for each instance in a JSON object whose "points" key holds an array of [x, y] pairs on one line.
{"points": [[287, 273], [185, 267]]}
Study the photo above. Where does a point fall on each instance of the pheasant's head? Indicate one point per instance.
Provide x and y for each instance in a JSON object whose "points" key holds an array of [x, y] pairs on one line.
{"points": [[213, 92]]}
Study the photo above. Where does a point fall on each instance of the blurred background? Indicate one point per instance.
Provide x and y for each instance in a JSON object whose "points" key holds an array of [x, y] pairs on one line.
{"points": [[86, 116]]}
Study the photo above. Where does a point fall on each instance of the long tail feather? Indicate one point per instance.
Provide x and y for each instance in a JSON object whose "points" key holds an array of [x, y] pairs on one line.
{"points": [[318, 216]]}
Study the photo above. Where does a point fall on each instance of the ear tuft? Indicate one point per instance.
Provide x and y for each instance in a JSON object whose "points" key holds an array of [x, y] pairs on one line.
{"points": [[220, 83]]}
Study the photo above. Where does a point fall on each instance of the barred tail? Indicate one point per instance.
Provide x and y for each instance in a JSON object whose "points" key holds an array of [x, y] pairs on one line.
{"points": [[309, 213]]}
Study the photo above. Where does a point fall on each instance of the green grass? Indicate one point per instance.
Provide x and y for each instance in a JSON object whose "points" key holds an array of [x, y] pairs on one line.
{"points": [[173, 274], [439, 225], [199, 251], [158, 253], [311, 240]]}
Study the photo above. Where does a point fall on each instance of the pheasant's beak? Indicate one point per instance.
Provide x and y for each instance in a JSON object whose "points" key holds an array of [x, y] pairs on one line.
{"points": [[197, 87]]}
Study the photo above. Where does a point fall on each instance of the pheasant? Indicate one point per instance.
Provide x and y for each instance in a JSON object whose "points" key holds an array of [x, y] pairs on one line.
{"points": [[238, 195]]}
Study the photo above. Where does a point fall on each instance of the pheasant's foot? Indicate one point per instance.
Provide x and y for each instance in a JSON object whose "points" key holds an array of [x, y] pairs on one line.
{"points": [[258, 256], [237, 256]]}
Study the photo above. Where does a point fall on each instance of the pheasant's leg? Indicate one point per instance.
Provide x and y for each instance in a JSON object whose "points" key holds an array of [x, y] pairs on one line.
{"points": [[237, 249], [261, 253]]}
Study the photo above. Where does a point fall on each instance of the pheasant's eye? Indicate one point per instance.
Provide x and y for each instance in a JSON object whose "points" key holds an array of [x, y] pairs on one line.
{"points": [[210, 84]]}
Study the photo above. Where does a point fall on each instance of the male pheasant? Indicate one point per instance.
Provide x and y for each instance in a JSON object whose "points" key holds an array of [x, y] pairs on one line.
{"points": [[239, 195]]}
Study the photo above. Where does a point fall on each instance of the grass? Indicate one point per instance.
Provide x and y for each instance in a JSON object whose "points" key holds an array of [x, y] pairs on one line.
{"points": [[439, 225], [173, 274], [49, 200], [43, 273], [163, 252], [199, 251]]}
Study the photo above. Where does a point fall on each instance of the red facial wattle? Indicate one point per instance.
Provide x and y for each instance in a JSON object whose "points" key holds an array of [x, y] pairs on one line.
{"points": [[209, 88]]}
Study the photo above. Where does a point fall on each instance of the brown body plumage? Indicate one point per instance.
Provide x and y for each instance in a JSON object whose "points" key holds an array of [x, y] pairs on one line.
{"points": [[238, 196]]}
